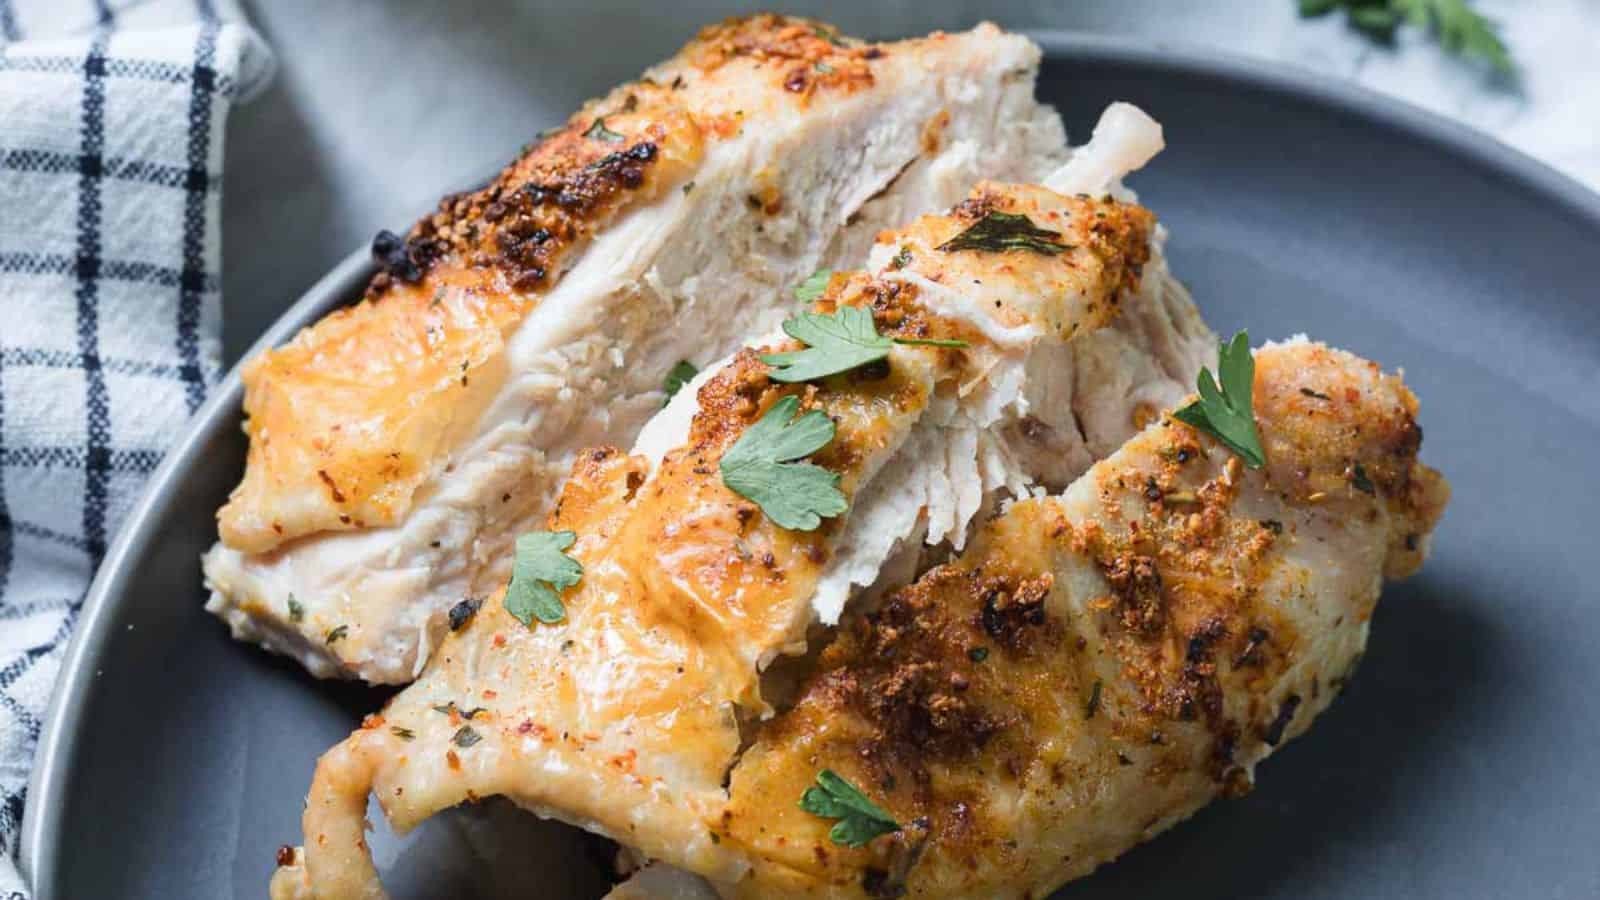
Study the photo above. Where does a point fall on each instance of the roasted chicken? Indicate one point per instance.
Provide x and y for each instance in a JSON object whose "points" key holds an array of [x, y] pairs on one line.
{"points": [[398, 446], [695, 609], [1092, 670], [1099, 665]]}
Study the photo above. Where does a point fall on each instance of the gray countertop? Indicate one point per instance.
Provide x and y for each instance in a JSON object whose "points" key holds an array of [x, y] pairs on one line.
{"points": [[378, 108]]}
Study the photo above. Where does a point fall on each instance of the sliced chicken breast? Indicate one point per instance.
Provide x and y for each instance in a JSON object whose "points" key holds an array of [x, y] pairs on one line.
{"points": [[1099, 665], [1095, 668], [625, 717], [398, 446]]}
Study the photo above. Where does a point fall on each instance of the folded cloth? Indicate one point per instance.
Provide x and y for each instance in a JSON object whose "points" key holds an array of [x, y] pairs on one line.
{"points": [[111, 123]]}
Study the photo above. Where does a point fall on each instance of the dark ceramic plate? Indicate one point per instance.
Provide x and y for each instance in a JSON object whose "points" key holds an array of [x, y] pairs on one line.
{"points": [[1459, 764]]}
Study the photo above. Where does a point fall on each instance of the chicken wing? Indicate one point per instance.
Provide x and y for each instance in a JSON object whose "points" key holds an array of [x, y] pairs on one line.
{"points": [[626, 716], [398, 446]]}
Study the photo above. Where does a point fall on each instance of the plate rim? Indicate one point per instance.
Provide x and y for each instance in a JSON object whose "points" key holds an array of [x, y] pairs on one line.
{"points": [[42, 817]]}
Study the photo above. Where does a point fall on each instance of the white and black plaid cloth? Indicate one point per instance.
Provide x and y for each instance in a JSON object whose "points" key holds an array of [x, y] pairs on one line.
{"points": [[111, 125]]}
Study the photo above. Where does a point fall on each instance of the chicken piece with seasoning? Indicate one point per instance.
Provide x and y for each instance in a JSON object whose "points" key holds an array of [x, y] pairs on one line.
{"points": [[667, 608], [1098, 665], [398, 446]]}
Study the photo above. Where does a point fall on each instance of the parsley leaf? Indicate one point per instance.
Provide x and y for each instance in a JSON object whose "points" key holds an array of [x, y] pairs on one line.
{"points": [[540, 571], [1460, 30], [759, 467], [1360, 481], [932, 342], [812, 288], [680, 375], [1228, 414], [860, 820], [836, 343], [998, 232], [599, 132]]}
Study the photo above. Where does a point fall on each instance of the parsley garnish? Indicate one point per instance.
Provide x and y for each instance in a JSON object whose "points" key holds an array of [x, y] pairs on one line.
{"points": [[598, 131], [836, 343], [860, 820], [998, 232], [335, 634], [297, 613], [812, 288], [1228, 414], [901, 259], [678, 376], [1093, 706], [541, 569], [465, 737], [760, 467], [829, 36], [932, 342], [404, 734], [451, 707], [1360, 481], [1460, 30]]}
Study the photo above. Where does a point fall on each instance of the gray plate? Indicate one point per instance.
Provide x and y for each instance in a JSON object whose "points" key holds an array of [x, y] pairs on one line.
{"points": [[1460, 762]]}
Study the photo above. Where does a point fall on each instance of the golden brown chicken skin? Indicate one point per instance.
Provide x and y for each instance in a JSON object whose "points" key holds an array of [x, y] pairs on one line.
{"points": [[398, 446], [345, 420], [625, 716], [1100, 665]]}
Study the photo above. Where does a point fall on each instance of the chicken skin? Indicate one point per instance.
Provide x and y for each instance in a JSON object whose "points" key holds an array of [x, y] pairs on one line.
{"points": [[1093, 669], [694, 605], [398, 446], [1099, 665]]}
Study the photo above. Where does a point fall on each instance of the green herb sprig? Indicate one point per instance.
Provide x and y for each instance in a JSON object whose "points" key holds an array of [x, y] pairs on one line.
{"points": [[1459, 29], [760, 467], [809, 290], [836, 343], [997, 232], [860, 820], [678, 376], [541, 570], [599, 132], [1227, 414]]}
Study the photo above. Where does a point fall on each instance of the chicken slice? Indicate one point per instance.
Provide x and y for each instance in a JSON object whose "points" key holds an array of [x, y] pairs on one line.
{"points": [[1069, 372], [625, 717], [1100, 665], [398, 446]]}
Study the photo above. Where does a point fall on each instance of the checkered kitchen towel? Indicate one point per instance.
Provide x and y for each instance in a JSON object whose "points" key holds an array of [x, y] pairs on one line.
{"points": [[111, 121]]}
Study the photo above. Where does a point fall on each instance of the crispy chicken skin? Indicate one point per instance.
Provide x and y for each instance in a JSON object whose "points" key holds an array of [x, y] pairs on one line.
{"points": [[346, 419], [1100, 665], [1092, 670], [398, 446], [626, 717]]}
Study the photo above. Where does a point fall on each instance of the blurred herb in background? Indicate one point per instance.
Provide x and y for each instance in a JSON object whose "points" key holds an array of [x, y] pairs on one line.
{"points": [[1459, 30]]}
